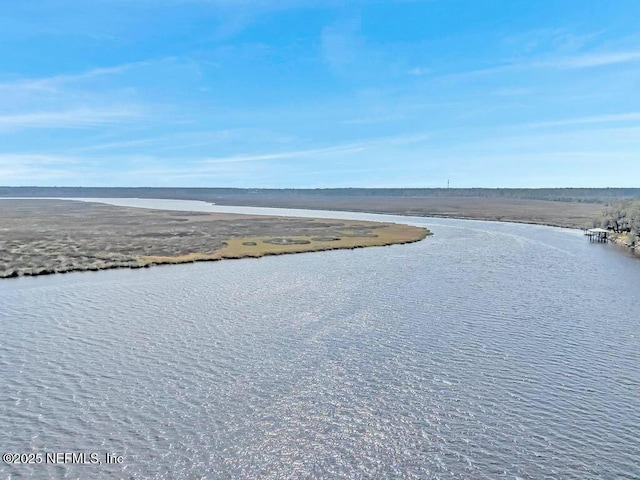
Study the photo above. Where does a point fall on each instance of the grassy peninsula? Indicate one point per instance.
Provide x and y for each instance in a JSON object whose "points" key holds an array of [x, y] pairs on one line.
{"points": [[39, 237]]}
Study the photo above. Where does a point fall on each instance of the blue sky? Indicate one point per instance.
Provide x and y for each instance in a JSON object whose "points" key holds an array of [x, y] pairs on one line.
{"points": [[320, 93]]}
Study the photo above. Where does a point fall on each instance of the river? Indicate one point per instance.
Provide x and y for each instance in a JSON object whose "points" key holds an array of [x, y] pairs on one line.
{"points": [[490, 350]]}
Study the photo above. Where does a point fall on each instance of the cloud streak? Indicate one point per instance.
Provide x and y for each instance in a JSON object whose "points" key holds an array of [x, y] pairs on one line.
{"points": [[55, 82], [591, 60], [575, 62], [338, 149], [79, 118], [28, 167], [12, 159], [615, 118]]}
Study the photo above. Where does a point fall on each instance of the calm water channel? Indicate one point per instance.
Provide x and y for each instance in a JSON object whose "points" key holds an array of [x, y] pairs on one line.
{"points": [[489, 350]]}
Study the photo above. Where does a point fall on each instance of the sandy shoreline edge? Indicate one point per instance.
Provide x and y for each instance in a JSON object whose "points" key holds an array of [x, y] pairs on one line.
{"points": [[200, 258]]}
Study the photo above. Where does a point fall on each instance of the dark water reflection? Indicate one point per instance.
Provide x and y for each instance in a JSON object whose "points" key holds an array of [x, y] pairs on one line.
{"points": [[487, 351]]}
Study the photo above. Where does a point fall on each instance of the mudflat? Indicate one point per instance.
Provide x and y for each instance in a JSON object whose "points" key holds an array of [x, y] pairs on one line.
{"points": [[39, 237]]}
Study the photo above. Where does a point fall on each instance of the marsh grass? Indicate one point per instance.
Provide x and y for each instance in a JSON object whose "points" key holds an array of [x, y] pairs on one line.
{"points": [[43, 237]]}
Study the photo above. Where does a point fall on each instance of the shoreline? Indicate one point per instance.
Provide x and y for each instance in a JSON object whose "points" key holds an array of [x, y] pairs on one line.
{"points": [[201, 259], [392, 211], [508, 210], [235, 247], [457, 217], [44, 238], [534, 207], [622, 242]]}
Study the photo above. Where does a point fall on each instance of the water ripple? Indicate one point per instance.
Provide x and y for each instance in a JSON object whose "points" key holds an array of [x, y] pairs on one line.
{"points": [[498, 351]]}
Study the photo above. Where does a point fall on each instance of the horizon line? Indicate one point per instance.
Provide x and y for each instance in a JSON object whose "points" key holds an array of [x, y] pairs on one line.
{"points": [[317, 188]]}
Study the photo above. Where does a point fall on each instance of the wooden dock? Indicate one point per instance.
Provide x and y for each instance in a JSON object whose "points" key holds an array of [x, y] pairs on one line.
{"points": [[597, 234]]}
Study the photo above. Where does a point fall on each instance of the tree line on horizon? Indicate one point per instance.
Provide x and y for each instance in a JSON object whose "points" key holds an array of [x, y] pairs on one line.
{"points": [[587, 195]]}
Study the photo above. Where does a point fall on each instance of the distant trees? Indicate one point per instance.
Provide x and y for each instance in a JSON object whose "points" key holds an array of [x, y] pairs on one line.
{"points": [[586, 195], [623, 217]]}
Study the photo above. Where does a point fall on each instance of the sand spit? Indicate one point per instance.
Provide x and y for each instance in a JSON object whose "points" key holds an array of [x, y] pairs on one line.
{"points": [[41, 237]]}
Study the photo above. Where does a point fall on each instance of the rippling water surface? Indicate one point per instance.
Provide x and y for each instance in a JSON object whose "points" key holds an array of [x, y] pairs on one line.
{"points": [[487, 351]]}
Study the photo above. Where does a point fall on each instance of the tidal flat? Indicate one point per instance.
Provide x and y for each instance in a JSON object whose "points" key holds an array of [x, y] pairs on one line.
{"points": [[40, 237]]}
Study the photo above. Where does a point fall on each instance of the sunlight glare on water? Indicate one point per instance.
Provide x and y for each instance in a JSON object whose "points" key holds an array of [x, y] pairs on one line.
{"points": [[486, 351]]}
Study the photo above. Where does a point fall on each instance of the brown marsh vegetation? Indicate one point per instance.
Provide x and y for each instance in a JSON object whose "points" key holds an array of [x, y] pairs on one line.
{"points": [[53, 236], [544, 212]]}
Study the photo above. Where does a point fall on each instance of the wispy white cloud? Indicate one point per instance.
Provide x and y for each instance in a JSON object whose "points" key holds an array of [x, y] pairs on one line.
{"points": [[260, 5], [615, 118], [556, 39], [13, 159], [590, 60], [574, 62], [284, 155], [373, 119], [333, 150], [419, 71], [79, 118], [26, 168], [117, 145], [512, 92], [55, 82], [340, 44], [253, 168], [25, 175], [188, 139]]}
